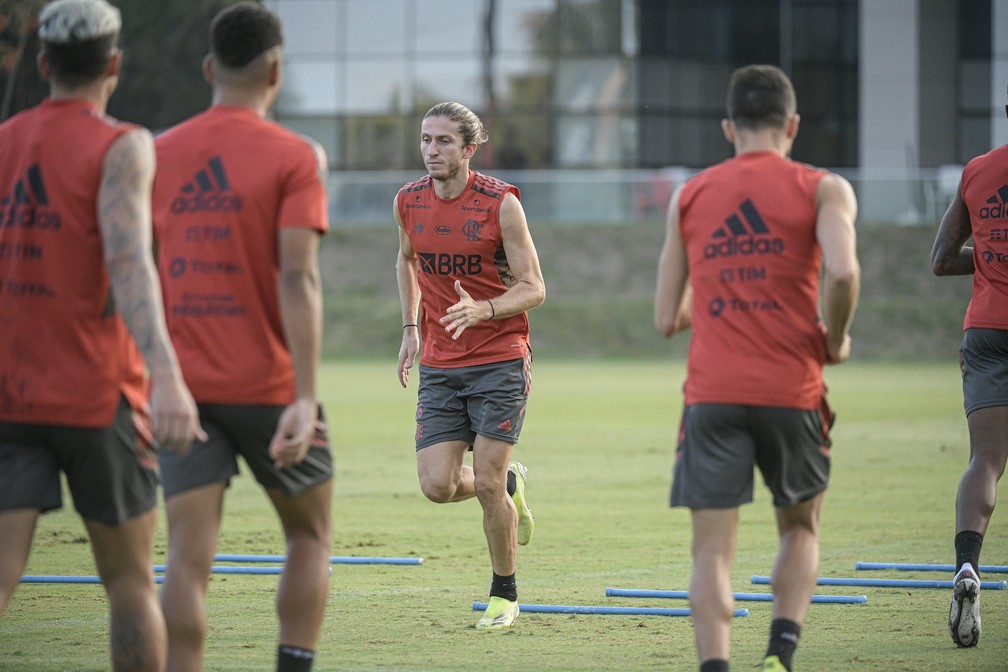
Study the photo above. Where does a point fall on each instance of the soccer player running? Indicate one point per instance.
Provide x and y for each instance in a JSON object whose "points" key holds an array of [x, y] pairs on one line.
{"points": [[239, 209], [468, 272], [750, 236], [978, 211], [77, 280]]}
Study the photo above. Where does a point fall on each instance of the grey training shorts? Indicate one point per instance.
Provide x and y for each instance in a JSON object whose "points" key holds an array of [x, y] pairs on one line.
{"points": [[246, 430], [720, 444], [488, 400], [111, 471], [983, 359]]}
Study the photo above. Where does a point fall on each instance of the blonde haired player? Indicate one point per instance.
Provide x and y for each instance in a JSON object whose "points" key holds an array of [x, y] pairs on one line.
{"points": [[78, 281]]}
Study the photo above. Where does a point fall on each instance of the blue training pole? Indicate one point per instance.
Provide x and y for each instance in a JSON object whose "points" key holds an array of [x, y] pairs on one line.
{"points": [[335, 560], [226, 569], [890, 583], [926, 567], [41, 578], [742, 597], [581, 609], [236, 569]]}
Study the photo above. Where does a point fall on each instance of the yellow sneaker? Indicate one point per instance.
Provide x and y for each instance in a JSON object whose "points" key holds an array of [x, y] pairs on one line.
{"points": [[773, 664], [499, 614], [526, 521]]}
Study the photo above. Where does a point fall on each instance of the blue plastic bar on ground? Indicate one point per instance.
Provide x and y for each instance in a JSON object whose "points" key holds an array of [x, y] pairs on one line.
{"points": [[228, 569], [69, 579], [742, 597], [335, 560], [926, 567], [582, 609], [890, 583], [237, 569]]}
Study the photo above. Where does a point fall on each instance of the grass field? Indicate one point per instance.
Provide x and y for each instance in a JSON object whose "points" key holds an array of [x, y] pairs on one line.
{"points": [[599, 445]]}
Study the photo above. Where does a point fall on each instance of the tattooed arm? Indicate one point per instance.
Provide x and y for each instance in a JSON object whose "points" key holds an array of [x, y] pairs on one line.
{"points": [[124, 220], [950, 254]]}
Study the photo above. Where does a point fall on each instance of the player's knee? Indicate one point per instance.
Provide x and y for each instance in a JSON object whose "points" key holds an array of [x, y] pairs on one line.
{"points": [[185, 630], [438, 491], [489, 486]]}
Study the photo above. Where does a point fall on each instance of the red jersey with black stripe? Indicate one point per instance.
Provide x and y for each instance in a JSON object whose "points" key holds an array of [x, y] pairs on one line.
{"points": [[228, 181], [460, 239], [66, 355], [984, 189], [749, 228]]}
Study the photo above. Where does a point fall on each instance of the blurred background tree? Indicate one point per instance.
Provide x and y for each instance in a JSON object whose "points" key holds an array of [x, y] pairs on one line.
{"points": [[18, 47], [162, 78]]}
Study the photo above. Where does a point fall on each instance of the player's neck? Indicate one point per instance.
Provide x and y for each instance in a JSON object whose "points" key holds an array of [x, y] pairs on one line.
{"points": [[450, 187], [255, 100], [97, 94], [763, 140]]}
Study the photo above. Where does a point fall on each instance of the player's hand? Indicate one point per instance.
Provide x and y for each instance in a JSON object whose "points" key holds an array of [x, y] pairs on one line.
{"points": [[465, 313], [407, 353], [838, 354], [684, 316], [294, 433], [174, 418]]}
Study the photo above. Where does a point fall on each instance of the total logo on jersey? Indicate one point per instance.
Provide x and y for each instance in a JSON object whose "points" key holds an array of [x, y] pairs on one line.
{"points": [[209, 191], [735, 239], [717, 306], [997, 205], [990, 256], [27, 205]]}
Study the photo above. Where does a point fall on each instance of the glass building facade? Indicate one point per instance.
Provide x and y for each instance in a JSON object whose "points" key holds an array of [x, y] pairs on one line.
{"points": [[602, 84]]}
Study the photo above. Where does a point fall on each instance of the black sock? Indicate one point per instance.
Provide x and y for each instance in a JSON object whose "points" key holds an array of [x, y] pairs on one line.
{"points": [[504, 586], [294, 659], [967, 548], [784, 635], [512, 483], [714, 665]]}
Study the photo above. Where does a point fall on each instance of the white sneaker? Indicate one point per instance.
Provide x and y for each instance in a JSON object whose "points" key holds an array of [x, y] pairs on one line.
{"points": [[964, 613]]}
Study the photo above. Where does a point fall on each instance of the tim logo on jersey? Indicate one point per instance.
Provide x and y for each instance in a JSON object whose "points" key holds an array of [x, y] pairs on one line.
{"points": [[28, 204], [209, 191], [734, 238]]}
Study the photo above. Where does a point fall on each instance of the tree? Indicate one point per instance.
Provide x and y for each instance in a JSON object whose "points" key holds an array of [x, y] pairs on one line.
{"points": [[17, 27], [163, 42]]}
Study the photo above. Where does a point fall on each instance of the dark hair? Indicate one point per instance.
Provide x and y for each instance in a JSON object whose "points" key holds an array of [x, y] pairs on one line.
{"points": [[242, 32], [76, 63], [469, 125], [760, 96]]}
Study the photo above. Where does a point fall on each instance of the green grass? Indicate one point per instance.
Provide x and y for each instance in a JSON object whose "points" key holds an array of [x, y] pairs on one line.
{"points": [[599, 445]]}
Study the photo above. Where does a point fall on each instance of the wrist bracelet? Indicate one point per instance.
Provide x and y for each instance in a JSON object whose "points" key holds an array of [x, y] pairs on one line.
{"points": [[493, 313], [407, 326]]}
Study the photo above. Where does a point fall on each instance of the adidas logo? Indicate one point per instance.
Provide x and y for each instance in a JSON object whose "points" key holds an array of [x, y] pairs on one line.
{"points": [[27, 205], [209, 191], [734, 238], [997, 205]]}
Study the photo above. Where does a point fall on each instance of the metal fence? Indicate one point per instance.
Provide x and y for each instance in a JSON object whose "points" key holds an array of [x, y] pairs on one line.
{"points": [[900, 197]]}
